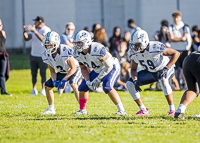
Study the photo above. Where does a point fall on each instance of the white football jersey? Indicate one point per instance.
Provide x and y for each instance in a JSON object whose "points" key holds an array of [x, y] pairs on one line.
{"points": [[92, 59], [59, 63], [152, 58]]}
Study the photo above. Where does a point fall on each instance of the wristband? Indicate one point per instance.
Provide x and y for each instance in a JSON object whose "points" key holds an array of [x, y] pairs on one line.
{"points": [[35, 32]]}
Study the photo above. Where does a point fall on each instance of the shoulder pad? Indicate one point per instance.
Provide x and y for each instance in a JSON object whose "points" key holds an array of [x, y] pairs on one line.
{"points": [[97, 49], [66, 51], [156, 46]]}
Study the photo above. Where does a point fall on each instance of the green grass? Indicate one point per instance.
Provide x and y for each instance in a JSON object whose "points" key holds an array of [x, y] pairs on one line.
{"points": [[21, 121]]}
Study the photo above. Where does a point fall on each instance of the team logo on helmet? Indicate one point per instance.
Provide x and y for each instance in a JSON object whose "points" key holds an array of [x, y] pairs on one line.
{"points": [[84, 35], [141, 37]]}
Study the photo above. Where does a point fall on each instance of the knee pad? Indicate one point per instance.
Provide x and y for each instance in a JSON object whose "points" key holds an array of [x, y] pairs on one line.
{"points": [[165, 86], [106, 89], [131, 89], [83, 86]]}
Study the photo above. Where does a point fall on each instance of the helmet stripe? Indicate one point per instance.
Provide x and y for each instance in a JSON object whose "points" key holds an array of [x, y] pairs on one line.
{"points": [[133, 34]]}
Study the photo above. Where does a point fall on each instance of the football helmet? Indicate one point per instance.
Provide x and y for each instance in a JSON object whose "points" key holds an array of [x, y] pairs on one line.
{"points": [[82, 40], [139, 40], [51, 38]]}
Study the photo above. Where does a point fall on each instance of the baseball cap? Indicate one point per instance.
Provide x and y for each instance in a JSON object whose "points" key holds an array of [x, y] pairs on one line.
{"points": [[39, 19]]}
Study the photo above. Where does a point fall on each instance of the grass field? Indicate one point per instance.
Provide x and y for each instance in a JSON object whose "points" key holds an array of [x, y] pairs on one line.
{"points": [[21, 121]]}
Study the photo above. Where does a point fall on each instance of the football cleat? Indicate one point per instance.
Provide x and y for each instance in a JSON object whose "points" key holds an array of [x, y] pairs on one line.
{"points": [[49, 111], [179, 115], [34, 92], [171, 113], [198, 115], [121, 113], [143, 112], [43, 92], [81, 112]]}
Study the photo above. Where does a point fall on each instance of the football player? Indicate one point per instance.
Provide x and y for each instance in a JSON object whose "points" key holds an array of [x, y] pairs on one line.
{"points": [[152, 56], [191, 71], [106, 69], [59, 57]]}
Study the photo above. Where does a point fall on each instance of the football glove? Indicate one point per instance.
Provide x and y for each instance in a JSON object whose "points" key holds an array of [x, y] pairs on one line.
{"points": [[96, 82], [62, 84], [89, 84], [137, 85], [55, 83], [163, 73]]}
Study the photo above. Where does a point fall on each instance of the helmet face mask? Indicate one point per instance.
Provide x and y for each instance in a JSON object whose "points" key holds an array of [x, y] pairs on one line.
{"points": [[51, 42], [82, 40], [139, 40], [79, 46], [136, 46], [50, 50]]}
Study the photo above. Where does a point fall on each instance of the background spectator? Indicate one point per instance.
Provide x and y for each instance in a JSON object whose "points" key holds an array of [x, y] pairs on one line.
{"points": [[121, 53], [115, 39], [179, 35], [162, 35], [4, 62], [95, 27], [101, 37], [67, 36], [131, 25], [195, 38], [36, 33], [126, 38], [123, 78]]}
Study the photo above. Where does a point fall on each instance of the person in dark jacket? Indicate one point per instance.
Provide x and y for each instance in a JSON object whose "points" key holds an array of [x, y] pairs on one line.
{"points": [[4, 63], [115, 39]]}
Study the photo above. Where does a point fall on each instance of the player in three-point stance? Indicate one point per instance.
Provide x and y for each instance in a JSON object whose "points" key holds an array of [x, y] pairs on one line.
{"points": [[152, 56], [106, 69], [59, 57]]}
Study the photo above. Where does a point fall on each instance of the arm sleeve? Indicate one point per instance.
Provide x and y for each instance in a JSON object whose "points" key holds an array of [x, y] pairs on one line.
{"points": [[108, 66]]}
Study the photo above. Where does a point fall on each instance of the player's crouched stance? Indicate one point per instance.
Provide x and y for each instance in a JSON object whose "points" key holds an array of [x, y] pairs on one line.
{"points": [[191, 71], [105, 68], [59, 57], [152, 56]]}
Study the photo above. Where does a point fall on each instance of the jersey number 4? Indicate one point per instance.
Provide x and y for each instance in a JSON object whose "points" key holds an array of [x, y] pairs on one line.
{"points": [[93, 65], [150, 64]]}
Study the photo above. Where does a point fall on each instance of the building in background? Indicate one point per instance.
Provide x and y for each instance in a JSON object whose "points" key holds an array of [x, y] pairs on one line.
{"points": [[109, 13]]}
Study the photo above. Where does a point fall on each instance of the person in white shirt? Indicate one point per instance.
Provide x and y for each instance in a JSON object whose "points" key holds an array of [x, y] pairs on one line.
{"points": [[180, 38], [36, 33]]}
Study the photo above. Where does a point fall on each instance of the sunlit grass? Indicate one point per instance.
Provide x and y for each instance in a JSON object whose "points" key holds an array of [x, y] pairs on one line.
{"points": [[21, 121]]}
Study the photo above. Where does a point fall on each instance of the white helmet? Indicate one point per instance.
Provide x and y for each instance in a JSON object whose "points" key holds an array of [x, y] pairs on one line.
{"points": [[139, 40], [51, 38], [82, 40]]}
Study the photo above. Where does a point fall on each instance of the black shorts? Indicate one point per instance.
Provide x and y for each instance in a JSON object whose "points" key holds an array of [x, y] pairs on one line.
{"points": [[191, 71], [179, 62]]}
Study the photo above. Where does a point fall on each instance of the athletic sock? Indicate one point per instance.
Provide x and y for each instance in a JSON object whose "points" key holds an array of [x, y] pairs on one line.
{"points": [[181, 108], [120, 107], [51, 107], [142, 107], [82, 103], [172, 107]]}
